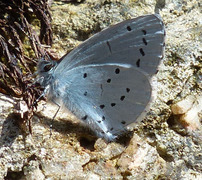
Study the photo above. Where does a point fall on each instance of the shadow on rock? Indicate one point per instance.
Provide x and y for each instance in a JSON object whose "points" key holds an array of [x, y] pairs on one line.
{"points": [[10, 130]]}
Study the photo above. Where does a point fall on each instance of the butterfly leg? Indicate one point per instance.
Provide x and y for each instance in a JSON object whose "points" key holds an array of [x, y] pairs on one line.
{"points": [[51, 125], [42, 95]]}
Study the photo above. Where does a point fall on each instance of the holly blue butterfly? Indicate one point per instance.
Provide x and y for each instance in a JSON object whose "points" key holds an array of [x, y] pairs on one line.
{"points": [[105, 80]]}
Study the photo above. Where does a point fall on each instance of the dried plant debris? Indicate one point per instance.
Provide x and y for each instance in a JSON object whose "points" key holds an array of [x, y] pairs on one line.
{"points": [[72, 1], [19, 37]]}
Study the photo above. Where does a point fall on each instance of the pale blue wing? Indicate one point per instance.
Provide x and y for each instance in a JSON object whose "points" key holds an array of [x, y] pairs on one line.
{"points": [[106, 97], [104, 81], [139, 42]]}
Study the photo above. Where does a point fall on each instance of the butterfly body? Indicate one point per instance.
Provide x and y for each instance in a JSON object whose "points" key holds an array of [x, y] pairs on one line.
{"points": [[105, 80]]}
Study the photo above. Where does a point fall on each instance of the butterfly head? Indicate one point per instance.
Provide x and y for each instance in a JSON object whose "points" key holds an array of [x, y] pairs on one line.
{"points": [[45, 71]]}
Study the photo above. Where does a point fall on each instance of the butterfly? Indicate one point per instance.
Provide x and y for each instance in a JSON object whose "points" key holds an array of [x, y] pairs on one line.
{"points": [[105, 81]]}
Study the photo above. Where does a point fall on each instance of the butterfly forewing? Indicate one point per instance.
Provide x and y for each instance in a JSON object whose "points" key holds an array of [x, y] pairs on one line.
{"points": [[139, 42]]}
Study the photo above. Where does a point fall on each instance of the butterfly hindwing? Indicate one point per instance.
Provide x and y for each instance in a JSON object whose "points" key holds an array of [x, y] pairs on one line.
{"points": [[107, 97]]}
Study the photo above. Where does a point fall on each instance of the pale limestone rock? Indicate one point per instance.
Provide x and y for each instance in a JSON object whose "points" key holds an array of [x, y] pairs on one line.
{"points": [[190, 111], [183, 106], [137, 159], [53, 156]]}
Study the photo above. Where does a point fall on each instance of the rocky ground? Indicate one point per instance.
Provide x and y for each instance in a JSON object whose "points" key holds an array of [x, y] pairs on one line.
{"points": [[165, 145]]}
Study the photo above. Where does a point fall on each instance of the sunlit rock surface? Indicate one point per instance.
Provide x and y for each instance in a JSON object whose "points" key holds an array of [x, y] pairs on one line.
{"points": [[165, 145]]}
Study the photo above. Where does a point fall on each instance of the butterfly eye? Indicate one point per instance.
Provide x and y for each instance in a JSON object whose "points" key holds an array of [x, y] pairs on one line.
{"points": [[47, 67]]}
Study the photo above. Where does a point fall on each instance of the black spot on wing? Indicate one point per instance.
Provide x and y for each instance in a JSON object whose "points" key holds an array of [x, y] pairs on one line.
{"points": [[128, 28], [122, 98], [84, 117], [138, 63], [117, 70], [144, 41], [108, 80], [84, 75], [102, 106], [127, 90], [142, 52], [144, 32]]}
